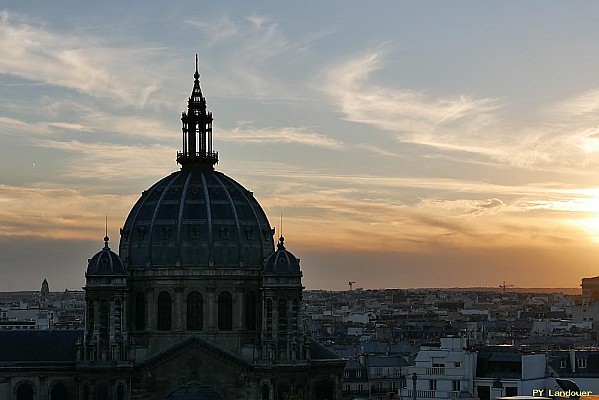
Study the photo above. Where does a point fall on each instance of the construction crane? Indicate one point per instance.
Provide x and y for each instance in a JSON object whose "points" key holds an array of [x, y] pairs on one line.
{"points": [[351, 283], [505, 285]]}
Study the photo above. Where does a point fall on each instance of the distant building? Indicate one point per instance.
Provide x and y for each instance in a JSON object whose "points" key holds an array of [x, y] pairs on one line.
{"points": [[590, 290], [44, 292]]}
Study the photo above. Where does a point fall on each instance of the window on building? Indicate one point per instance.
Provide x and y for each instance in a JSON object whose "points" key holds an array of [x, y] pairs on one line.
{"points": [[104, 312], [562, 363], [269, 316], [346, 373], [225, 311], [283, 317], [117, 317], [120, 393], [432, 384], [165, 312], [140, 311], [195, 312], [358, 374], [455, 386], [378, 371], [250, 310], [265, 392], [457, 364], [581, 362], [25, 391], [484, 392], [360, 388], [295, 315], [59, 391]]}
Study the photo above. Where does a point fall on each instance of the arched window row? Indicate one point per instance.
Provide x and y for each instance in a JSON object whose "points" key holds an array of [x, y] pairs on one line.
{"points": [[195, 311]]}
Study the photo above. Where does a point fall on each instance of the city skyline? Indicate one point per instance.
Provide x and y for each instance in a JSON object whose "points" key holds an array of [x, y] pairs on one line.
{"points": [[405, 145]]}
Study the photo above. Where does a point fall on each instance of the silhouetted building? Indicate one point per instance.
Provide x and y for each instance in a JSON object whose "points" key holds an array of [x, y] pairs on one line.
{"points": [[197, 301], [44, 292]]}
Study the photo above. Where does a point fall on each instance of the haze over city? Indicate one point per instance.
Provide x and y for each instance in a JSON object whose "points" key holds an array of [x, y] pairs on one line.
{"points": [[406, 144]]}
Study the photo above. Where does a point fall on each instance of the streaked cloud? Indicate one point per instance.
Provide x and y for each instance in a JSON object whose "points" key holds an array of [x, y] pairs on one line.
{"points": [[294, 135], [75, 61], [406, 112], [106, 161]]}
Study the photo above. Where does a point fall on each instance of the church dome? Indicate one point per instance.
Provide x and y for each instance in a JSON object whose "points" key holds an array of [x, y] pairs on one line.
{"points": [[282, 261], [196, 217], [105, 262]]}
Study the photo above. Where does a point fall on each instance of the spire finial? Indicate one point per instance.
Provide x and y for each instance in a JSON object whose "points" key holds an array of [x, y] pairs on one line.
{"points": [[281, 244], [197, 74], [106, 239]]}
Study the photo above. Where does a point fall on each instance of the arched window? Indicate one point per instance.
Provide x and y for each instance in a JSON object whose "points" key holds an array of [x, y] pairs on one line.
{"points": [[103, 392], [195, 312], [265, 392], [283, 315], [59, 392], [140, 311], [225, 311], [165, 312], [250, 311], [25, 391], [86, 392], [120, 392]]}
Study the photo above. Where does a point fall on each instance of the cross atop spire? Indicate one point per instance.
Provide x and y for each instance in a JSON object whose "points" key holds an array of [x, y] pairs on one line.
{"points": [[197, 131]]}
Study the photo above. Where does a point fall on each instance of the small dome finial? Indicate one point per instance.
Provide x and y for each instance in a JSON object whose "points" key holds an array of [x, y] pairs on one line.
{"points": [[197, 74], [281, 244], [106, 240]]}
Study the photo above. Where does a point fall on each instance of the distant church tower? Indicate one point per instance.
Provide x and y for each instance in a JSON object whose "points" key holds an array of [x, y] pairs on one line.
{"points": [[104, 339], [44, 292]]}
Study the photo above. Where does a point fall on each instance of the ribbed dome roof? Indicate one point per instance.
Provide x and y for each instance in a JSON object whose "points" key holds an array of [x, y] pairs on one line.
{"points": [[105, 262], [196, 217], [282, 261]]}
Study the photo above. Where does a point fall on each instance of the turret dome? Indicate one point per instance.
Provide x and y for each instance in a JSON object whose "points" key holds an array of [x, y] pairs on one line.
{"points": [[105, 262], [282, 261]]}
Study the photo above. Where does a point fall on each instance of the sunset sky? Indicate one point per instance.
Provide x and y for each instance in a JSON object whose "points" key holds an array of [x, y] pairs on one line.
{"points": [[406, 144]]}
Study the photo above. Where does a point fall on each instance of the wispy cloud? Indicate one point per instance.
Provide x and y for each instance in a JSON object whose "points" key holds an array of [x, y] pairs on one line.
{"points": [[257, 59], [463, 123], [295, 135], [406, 112], [112, 162], [75, 61]]}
